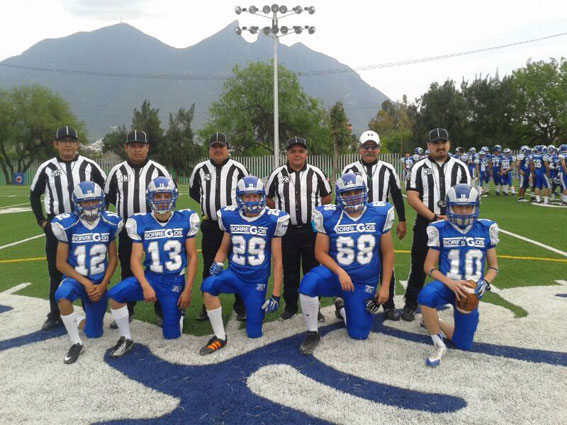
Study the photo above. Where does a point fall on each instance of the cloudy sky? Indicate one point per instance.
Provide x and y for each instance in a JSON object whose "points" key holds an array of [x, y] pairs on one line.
{"points": [[357, 33]]}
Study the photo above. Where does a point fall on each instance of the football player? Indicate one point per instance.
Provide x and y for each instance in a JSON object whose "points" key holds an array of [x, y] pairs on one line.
{"points": [[563, 173], [507, 167], [353, 243], [407, 162], [254, 232], [553, 170], [167, 239], [473, 164], [87, 257], [458, 250], [484, 172], [540, 170], [523, 161], [496, 161]]}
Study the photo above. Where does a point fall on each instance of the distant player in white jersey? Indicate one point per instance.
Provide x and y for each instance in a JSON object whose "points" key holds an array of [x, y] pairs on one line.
{"points": [[458, 250], [165, 240], [507, 165], [87, 257], [254, 232], [353, 244]]}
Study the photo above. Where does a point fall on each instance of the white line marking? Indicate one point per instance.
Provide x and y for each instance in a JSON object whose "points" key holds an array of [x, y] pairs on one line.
{"points": [[404, 283], [549, 248], [15, 205], [16, 288], [15, 210], [561, 282], [22, 241]]}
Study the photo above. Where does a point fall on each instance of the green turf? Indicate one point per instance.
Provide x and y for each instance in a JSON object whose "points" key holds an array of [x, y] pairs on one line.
{"points": [[546, 225]]}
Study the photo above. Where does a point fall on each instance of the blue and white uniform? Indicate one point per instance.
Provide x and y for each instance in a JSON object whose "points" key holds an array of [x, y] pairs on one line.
{"points": [[541, 179], [462, 257], [165, 261], [525, 171], [88, 246], [483, 168], [507, 164], [250, 260], [562, 171], [496, 160], [354, 244]]}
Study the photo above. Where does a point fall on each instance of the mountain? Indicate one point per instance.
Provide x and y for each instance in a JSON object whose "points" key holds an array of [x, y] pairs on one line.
{"points": [[103, 101]]}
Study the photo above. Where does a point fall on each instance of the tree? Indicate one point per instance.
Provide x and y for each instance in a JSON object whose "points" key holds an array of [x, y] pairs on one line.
{"points": [[340, 133], [244, 112], [178, 149], [29, 117], [540, 101], [393, 124]]}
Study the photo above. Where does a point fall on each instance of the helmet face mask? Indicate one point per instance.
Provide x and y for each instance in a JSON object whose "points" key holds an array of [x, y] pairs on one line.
{"points": [[351, 192], [462, 195], [563, 149], [88, 201], [157, 192], [246, 186]]}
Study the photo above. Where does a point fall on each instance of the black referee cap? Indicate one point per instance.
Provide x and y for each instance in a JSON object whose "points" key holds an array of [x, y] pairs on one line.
{"points": [[296, 141], [65, 132], [218, 139], [438, 134], [137, 136]]}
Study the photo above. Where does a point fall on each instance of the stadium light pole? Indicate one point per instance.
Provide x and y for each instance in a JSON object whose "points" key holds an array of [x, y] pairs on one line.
{"points": [[271, 12]]}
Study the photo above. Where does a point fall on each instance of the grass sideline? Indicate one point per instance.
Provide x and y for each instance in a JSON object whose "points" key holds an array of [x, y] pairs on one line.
{"points": [[545, 225]]}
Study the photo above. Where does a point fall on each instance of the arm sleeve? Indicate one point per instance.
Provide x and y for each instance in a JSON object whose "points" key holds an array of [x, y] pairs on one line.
{"points": [[324, 185], [397, 197], [281, 225], [433, 238], [493, 232], [272, 184], [415, 178], [118, 229], [35, 201], [220, 221], [195, 185], [110, 188], [98, 176], [389, 220], [132, 229], [59, 232], [194, 224], [317, 222]]}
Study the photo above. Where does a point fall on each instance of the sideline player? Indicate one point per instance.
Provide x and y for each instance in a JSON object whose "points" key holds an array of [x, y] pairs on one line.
{"points": [[167, 238], [496, 162], [255, 232], [458, 249], [563, 173], [540, 171], [353, 243], [523, 169], [87, 257], [507, 164], [484, 172]]}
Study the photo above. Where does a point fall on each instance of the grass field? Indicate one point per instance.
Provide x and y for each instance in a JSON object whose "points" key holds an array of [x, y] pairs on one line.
{"points": [[521, 263]]}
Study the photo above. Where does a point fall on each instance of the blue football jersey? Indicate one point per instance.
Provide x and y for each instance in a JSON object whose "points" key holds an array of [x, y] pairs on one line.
{"points": [[462, 255], [164, 243], [251, 237], [539, 160], [524, 161], [496, 161], [483, 164], [561, 157], [88, 243], [508, 161], [354, 243]]}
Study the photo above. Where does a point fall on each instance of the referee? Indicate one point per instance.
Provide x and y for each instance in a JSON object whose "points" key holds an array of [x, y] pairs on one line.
{"points": [[430, 179], [56, 178], [126, 188], [213, 185], [382, 181], [298, 188]]}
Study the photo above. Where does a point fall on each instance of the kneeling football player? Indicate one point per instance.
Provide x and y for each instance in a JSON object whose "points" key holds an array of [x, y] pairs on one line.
{"points": [[254, 232], [167, 238], [458, 250], [353, 244], [86, 255]]}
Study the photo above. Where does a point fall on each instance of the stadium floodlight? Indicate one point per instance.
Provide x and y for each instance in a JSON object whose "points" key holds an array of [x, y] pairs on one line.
{"points": [[274, 12]]}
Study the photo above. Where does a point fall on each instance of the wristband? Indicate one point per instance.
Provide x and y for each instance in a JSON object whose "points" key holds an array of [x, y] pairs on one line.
{"points": [[431, 271], [493, 268], [435, 217], [275, 298]]}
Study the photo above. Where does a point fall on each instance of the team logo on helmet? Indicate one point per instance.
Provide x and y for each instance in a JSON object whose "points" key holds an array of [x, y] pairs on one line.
{"points": [[250, 185], [462, 195], [88, 200]]}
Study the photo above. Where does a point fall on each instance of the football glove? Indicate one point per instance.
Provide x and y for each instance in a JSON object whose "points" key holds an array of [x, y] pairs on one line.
{"points": [[481, 286], [372, 306], [272, 304], [216, 268]]}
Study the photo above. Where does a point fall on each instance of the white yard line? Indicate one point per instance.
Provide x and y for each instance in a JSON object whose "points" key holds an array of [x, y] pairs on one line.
{"points": [[22, 241], [16, 288], [15, 205], [523, 238]]}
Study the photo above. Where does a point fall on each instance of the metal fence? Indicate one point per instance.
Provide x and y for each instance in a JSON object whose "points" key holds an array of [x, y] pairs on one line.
{"points": [[260, 166]]}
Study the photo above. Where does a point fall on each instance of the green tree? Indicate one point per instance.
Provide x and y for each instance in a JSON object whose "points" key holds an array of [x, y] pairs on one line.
{"points": [[245, 112], [29, 117], [540, 101], [114, 141], [178, 149], [340, 134], [393, 123]]}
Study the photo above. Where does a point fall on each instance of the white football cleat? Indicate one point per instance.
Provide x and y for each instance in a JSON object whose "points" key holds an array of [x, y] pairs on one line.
{"points": [[434, 359]]}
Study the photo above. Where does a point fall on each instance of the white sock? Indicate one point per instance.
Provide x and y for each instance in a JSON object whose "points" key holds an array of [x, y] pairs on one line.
{"points": [[215, 316], [121, 318], [538, 198], [505, 190], [80, 318], [546, 199], [70, 322], [564, 198], [342, 312], [309, 309], [438, 339]]}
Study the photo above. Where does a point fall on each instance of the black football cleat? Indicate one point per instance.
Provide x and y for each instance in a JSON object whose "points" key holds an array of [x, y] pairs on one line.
{"points": [[408, 314], [122, 347], [73, 353], [311, 341], [213, 345], [339, 304], [392, 314], [50, 324]]}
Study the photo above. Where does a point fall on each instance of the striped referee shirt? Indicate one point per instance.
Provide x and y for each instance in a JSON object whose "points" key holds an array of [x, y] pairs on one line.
{"points": [[57, 179], [382, 181], [298, 192], [432, 181], [214, 185], [127, 183]]}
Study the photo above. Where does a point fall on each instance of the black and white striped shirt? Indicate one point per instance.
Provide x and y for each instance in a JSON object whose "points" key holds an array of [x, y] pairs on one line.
{"points": [[432, 181], [127, 183], [298, 192], [57, 179], [214, 186]]}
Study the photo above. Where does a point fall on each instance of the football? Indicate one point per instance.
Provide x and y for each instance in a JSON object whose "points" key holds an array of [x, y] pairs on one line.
{"points": [[470, 302]]}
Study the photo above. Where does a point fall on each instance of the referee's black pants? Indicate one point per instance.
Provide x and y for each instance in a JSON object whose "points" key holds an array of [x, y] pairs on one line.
{"points": [[55, 276], [298, 249], [124, 254], [418, 253], [210, 244], [389, 305]]}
